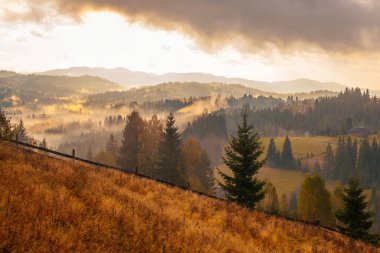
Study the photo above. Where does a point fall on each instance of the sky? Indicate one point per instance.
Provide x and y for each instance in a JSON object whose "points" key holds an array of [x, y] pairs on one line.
{"points": [[266, 40]]}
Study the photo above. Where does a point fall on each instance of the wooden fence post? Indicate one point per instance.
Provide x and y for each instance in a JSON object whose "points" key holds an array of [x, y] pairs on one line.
{"points": [[73, 153], [136, 170]]}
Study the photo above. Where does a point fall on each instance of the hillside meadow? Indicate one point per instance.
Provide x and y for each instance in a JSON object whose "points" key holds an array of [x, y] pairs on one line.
{"points": [[51, 205]]}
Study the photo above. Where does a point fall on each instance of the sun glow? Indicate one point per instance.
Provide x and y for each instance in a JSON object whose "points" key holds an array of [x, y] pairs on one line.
{"points": [[106, 39]]}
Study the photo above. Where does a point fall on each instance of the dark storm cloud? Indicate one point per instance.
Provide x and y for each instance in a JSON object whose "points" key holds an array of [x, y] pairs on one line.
{"points": [[331, 25]]}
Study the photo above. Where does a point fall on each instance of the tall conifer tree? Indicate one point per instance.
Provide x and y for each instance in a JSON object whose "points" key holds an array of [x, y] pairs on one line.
{"points": [[328, 162], [242, 157], [6, 130], [354, 215], [364, 163], [170, 165], [287, 158], [130, 144], [272, 158]]}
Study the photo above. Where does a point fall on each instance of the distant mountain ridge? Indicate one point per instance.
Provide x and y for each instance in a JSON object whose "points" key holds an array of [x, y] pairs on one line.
{"points": [[48, 89], [130, 78]]}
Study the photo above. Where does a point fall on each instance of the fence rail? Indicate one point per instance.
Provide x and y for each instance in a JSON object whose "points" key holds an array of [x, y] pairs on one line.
{"points": [[135, 172]]}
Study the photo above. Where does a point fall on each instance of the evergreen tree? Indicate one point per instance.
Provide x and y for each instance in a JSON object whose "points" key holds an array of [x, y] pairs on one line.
{"points": [[287, 158], [364, 163], [6, 130], [354, 215], [339, 158], [354, 156], [272, 155], [127, 157], [23, 135], [148, 158], [170, 167], [242, 157], [328, 162], [348, 164], [314, 201]]}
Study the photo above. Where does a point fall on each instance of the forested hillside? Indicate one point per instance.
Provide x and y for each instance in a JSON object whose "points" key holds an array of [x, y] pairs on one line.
{"points": [[329, 116], [16, 89]]}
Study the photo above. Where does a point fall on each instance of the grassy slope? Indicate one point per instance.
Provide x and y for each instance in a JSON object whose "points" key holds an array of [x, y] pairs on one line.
{"points": [[48, 205]]}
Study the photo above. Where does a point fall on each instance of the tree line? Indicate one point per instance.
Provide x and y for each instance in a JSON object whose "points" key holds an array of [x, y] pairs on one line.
{"points": [[328, 116], [353, 159], [158, 150], [282, 158]]}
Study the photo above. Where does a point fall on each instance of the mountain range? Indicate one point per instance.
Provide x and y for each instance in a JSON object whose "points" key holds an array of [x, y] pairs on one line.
{"points": [[130, 79]]}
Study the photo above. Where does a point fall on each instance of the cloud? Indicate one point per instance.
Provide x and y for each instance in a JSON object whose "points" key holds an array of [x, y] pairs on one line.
{"points": [[346, 26]]}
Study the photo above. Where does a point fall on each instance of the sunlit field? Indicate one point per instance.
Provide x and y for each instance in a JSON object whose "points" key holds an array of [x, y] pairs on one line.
{"points": [[49, 205]]}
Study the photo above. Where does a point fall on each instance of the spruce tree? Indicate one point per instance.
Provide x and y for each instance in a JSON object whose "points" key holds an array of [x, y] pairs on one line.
{"points": [[127, 157], [364, 163], [272, 158], [287, 158], [328, 162], [22, 134], [242, 157], [339, 158], [348, 165], [354, 215], [6, 130], [170, 166]]}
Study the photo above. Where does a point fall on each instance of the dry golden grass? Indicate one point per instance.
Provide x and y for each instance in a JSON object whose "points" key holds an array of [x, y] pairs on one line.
{"points": [[49, 205]]}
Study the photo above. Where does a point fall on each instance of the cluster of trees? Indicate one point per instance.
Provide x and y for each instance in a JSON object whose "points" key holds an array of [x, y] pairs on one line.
{"points": [[207, 124], [328, 116], [171, 105], [282, 159], [349, 160], [158, 151], [256, 103], [242, 157], [324, 116], [114, 120], [17, 131]]}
